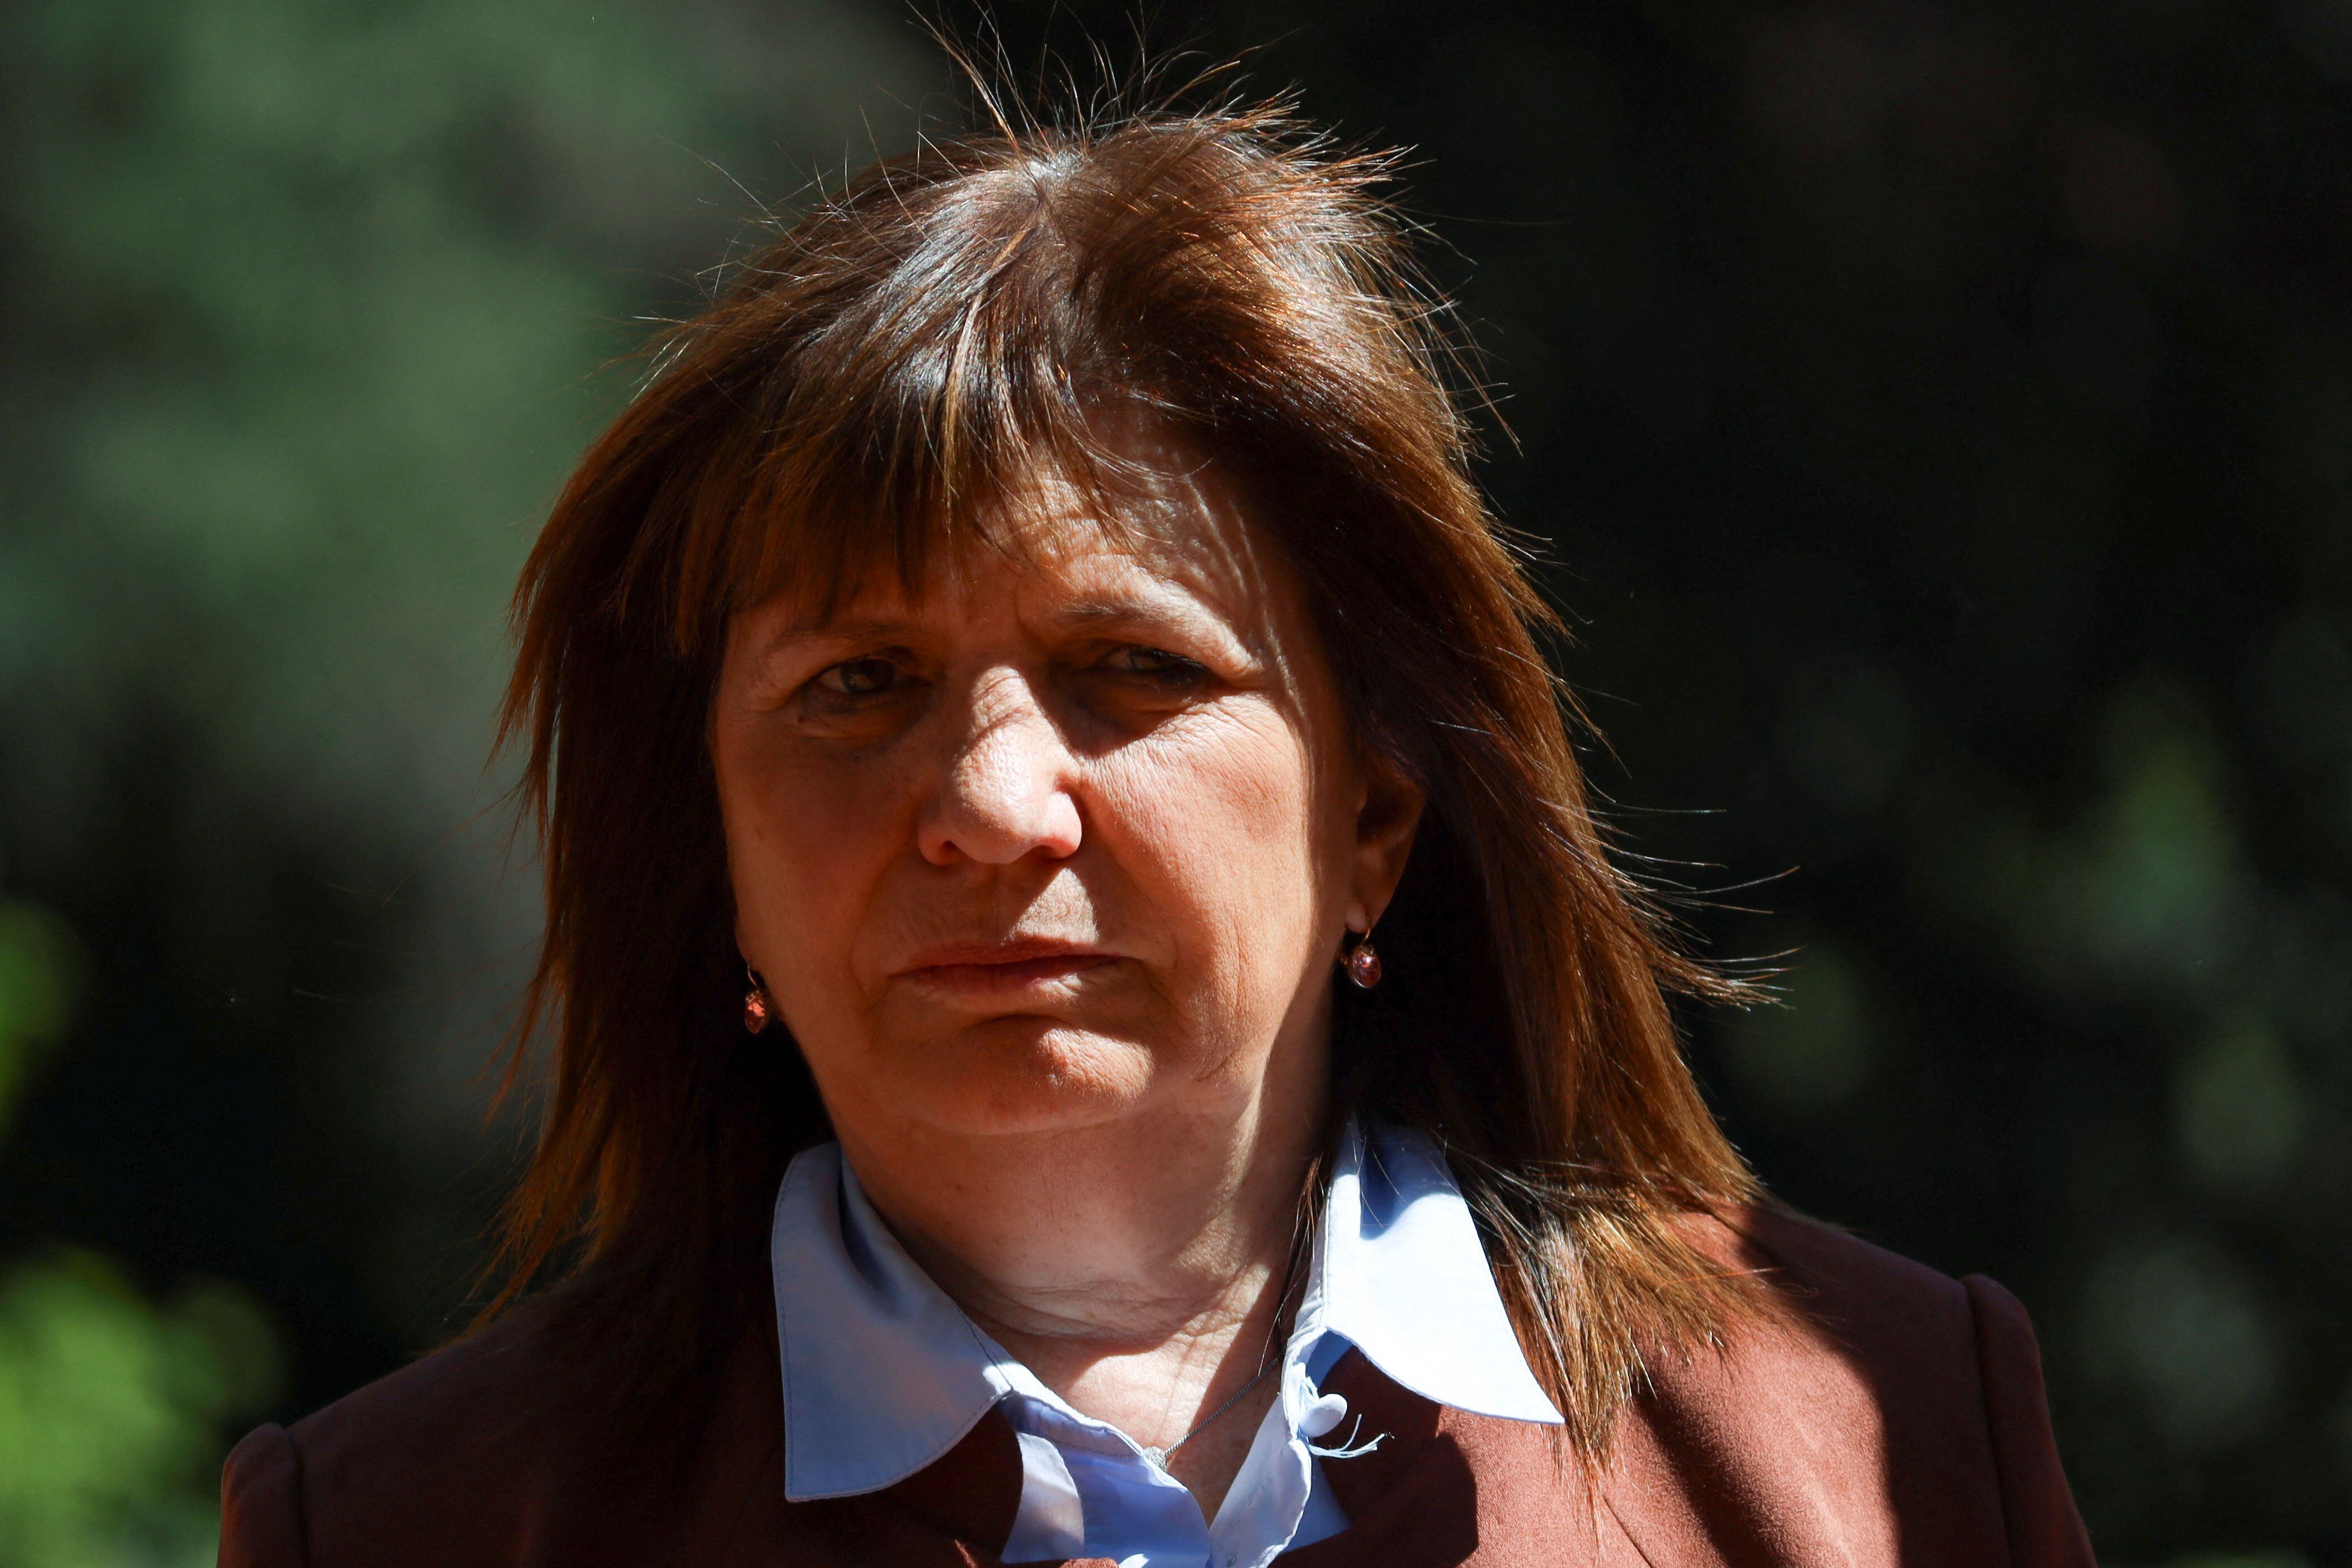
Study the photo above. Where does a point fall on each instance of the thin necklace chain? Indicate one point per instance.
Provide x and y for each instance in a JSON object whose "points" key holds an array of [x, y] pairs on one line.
{"points": [[1159, 1456]]}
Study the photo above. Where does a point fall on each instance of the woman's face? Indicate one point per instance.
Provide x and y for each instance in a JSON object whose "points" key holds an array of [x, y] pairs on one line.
{"points": [[1071, 835]]}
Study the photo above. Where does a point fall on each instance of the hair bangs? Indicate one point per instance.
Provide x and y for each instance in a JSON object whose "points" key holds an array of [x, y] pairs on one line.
{"points": [[926, 424]]}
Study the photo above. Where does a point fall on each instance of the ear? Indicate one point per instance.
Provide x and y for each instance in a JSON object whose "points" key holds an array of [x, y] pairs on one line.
{"points": [[1385, 824]]}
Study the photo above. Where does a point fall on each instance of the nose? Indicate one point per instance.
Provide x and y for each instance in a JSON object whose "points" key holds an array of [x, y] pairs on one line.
{"points": [[1004, 793]]}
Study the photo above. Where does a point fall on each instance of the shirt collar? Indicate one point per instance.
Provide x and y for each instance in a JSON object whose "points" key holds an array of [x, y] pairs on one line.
{"points": [[883, 1373], [1402, 1275]]}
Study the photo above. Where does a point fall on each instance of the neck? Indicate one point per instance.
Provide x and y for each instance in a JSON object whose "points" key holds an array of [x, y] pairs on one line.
{"points": [[1139, 1268], [1116, 1236]]}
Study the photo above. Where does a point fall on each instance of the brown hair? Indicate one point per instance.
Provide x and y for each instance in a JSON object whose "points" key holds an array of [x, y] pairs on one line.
{"points": [[859, 394]]}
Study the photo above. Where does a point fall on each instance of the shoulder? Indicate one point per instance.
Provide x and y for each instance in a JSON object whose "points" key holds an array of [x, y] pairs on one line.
{"points": [[1850, 1324], [1871, 1303], [499, 1449], [465, 1426], [1918, 1337], [488, 1378], [1887, 1405]]}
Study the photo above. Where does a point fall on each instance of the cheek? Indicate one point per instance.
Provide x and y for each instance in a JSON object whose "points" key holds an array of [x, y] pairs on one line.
{"points": [[1220, 832], [805, 847]]}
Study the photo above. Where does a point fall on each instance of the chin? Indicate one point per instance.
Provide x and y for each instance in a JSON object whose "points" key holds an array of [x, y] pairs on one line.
{"points": [[1016, 1075]]}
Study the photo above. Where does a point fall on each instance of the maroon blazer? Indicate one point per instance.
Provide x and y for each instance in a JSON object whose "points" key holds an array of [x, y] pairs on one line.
{"points": [[1901, 1422]]}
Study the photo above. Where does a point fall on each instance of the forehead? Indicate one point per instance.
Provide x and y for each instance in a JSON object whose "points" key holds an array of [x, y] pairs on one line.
{"points": [[1160, 521]]}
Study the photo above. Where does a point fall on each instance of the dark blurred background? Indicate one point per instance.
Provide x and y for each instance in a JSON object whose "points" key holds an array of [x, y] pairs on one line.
{"points": [[1940, 418]]}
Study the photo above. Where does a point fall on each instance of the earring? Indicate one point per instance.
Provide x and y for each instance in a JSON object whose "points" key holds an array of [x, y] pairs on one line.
{"points": [[1364, 963], [755, 1002]]}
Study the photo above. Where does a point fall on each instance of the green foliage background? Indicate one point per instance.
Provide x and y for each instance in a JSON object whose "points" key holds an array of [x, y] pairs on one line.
{"points": [[1943, 429]]}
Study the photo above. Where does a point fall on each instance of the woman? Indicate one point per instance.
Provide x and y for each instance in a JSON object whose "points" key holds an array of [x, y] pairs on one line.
{"points": [[1090, 1017]]}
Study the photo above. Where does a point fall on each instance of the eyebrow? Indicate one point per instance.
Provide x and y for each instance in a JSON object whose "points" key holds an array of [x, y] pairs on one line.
{"points": [[860, 629], [1115, 612], [1177, 607]]}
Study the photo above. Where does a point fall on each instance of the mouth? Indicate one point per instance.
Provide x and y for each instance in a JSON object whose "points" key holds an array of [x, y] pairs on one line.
{"points": [[999, 968]]}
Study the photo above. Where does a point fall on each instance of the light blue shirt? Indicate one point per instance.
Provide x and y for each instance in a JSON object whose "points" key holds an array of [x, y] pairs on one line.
{"points": [[883, 1373]]}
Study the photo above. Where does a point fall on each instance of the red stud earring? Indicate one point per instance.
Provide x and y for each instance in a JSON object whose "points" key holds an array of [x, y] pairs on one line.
{"points": [[755, 1002], [1364, 963]]}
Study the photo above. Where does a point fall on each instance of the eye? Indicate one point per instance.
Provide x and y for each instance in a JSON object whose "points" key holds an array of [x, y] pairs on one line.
{"points": [[1155, 665], [854, 678]]}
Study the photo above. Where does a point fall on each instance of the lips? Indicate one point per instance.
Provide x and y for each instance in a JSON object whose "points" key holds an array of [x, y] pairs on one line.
{"points": [[1016, 965]]}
